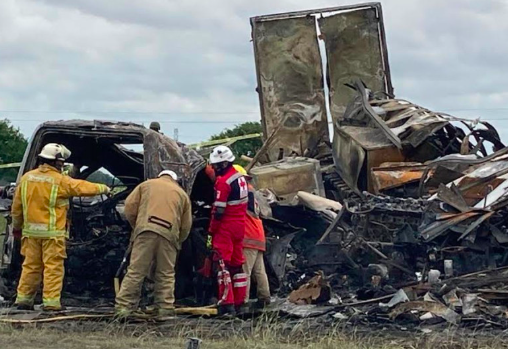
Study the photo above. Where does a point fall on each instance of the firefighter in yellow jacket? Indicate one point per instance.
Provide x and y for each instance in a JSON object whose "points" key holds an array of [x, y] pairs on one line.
{"points": [[39, 213]]}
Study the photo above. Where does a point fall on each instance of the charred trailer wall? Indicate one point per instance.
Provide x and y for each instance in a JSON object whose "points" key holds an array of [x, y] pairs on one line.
{"points": [[290, 83]]}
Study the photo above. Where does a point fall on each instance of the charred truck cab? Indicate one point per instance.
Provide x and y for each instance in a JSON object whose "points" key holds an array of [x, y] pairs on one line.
{"points": [[120, 155]]}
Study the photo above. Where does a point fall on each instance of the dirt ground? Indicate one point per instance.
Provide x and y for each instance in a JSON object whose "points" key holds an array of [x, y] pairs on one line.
{"points": [[239, 335]]}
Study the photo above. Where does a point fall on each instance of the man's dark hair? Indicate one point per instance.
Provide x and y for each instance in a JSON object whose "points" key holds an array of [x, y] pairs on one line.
{"points": [[49, 162]]}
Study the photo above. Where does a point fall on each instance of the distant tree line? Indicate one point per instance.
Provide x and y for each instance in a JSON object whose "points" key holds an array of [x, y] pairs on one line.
{"points": [[13, 146], [247, 147]]}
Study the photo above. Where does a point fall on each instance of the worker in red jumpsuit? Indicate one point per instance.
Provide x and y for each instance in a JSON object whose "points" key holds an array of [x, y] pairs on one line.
{"points": [[227, 228]]}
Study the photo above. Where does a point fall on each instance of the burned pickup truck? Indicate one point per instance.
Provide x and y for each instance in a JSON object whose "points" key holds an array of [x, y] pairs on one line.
{"points": [[120, 155]]}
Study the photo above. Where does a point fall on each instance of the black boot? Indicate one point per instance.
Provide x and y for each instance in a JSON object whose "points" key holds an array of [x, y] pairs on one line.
{"points": [[23, 306], [262, 303], [227, 310]]}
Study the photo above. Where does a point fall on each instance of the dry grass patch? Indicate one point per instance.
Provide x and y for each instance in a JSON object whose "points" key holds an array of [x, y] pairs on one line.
{"points": [[267, 334]]}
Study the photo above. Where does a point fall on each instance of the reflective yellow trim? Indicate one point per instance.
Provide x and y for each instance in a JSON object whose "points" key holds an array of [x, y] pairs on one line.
{"points": [[36, 226], [52, 204], [25, 299], [24, 200], [62, 202], [102, 188], [51, 302], [44, 233]]}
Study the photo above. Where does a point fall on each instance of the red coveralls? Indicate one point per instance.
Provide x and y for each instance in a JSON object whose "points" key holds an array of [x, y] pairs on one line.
{"points": [[228, 233]]}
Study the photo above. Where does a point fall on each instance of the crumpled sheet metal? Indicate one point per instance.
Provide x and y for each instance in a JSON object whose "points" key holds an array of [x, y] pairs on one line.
{"points": [[163, 153], [438, 228], [465, 168], [276, 255], [355, 150], [302, 310], [388, 177], [355, 48], [398, 298], [485, 186], [415, 133], [290, 83], [411, 123], [432, 307], [348, 156]]}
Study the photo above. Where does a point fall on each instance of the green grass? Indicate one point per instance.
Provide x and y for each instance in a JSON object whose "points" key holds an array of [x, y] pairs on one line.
{"points": [[89, 335]]}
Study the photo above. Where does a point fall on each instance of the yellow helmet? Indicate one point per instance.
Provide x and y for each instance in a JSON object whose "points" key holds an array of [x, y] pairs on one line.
{"points": [[240, 170]]}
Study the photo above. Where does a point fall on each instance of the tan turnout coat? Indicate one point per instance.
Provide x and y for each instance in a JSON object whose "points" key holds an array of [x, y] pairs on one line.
{"points": [[161, 206]]}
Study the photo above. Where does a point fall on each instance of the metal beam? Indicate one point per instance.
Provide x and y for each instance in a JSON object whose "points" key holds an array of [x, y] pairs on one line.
{"points": [[230, 140]]}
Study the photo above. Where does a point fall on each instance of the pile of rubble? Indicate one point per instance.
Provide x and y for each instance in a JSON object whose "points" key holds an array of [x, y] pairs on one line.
{"points": [[403, 216], [400, 205], [410, 228]]}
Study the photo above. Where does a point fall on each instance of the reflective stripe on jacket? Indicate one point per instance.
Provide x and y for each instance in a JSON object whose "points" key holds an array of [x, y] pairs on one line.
{"points": [[254, 231], [41, 201]]}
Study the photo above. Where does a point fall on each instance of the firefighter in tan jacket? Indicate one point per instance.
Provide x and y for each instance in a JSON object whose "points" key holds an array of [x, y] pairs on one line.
{"points": [[159, 210], [39, 216]]}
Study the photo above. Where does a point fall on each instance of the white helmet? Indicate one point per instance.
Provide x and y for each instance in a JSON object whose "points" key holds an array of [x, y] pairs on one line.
{"points": [[54, 151], [168, 173], [221, 154]]}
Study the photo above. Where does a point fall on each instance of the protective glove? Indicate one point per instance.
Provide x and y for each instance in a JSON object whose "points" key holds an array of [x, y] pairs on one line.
{"points": [[17, 233]]}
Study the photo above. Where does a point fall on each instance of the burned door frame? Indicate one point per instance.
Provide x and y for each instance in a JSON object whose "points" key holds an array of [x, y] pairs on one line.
{"points": [[75, 127]]}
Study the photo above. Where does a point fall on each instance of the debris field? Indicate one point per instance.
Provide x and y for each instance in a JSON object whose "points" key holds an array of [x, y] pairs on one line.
{"points": [[396, 214]]}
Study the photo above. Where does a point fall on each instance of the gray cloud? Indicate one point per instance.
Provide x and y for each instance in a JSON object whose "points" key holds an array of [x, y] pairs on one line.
{"points": [[184, 57]]}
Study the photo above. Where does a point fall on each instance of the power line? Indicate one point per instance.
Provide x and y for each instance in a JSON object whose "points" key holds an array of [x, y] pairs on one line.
{"points": [[474, 109], [193, 113], [129, 112], [202, 121], [162, 122], [176, 112]]}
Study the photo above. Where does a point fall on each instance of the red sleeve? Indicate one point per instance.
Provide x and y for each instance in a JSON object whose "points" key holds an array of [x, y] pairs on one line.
{"points": [[222, 190]]}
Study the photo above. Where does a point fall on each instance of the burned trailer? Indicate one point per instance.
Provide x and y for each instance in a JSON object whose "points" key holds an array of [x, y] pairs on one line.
{"points": [[120, 155], [388, 156]]}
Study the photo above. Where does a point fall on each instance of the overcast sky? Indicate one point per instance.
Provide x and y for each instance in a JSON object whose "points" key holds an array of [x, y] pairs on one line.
{"points": [[181, 62]]}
